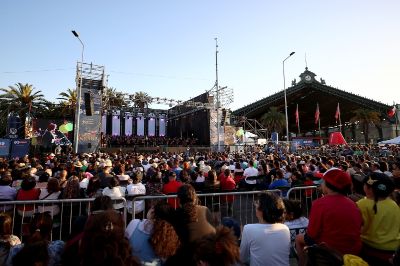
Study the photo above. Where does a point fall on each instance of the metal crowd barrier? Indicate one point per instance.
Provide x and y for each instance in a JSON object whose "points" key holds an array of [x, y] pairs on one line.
{"points": [[306, 195], [235, 204], [64, 214]]}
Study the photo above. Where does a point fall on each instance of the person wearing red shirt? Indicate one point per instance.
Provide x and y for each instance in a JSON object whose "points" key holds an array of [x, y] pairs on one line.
{"points": [[227, 183], [171, 188], [334, 219], [28, 191]]}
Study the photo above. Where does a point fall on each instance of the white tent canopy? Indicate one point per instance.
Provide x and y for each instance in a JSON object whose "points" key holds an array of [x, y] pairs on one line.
{"points": [[249, 138], [391, 141]]}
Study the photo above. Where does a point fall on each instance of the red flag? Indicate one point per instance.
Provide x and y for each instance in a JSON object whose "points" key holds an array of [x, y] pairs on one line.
{"points": [[391, 112], [297, 115], [317, 114], [337, 114]]}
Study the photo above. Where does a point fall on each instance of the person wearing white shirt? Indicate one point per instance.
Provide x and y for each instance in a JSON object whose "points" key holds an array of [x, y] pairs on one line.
{"points": [[250, 171], [136, 188], [266, 243], [114, 191]]}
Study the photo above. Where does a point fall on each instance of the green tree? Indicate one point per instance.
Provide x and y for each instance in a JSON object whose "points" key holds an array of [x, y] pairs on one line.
{"points": [[23, 99], [366, 117], [113, 99], [68, 102], [273, 120], [141, 100]]}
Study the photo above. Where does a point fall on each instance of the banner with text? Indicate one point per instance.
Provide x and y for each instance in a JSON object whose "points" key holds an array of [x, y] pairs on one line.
{"points": [[4, 147], [19, 148], [90, 120]]}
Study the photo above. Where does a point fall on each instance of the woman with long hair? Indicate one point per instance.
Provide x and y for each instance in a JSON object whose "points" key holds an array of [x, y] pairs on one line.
{"points": [[104, 241], [193, 220], [154, 239]]}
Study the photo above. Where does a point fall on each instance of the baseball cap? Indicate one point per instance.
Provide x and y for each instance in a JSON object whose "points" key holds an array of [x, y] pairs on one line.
{"points": [[337, 178]]}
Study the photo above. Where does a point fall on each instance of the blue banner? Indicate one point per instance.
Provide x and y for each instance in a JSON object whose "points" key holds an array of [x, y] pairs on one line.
{"points": [[19, 148], [4, 147]]}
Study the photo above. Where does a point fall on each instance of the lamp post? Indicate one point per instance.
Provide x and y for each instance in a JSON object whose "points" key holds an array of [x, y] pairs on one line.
{"points": [[284, 92], [79, 96]]}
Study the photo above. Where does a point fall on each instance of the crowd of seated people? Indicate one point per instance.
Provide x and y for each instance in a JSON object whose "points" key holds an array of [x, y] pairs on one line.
{"points": [[366, 187], [150, 141]]}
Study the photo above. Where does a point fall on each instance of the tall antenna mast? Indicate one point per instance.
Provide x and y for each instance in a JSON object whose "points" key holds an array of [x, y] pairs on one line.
{"points": [[217, 92], [305, 58]]}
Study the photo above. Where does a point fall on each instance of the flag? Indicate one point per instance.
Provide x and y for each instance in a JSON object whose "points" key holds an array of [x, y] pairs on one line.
{"points": [[391, 112], [317, 114], [297, 116], [337, 114]]}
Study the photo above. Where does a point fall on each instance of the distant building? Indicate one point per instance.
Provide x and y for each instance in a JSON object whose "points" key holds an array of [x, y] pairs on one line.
{"points": [[306, 93]]}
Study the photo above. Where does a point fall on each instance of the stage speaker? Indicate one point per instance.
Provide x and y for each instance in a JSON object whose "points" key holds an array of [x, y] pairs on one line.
{"points": [[89, 105]]}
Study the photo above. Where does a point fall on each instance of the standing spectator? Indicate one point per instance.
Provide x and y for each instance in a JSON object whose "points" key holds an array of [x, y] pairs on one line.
{"points": [[171, 188], [334, 218], [268, 242]]}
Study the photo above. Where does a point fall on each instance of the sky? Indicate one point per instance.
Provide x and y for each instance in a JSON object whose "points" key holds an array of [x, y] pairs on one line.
{"points": [[166, 48]]}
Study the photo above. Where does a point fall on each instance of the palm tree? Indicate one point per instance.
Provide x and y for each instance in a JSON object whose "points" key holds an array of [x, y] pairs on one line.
{"points": [[113, 99], [366, 117], [141, 100], [273, 120], [22, 99], [68, 102]]}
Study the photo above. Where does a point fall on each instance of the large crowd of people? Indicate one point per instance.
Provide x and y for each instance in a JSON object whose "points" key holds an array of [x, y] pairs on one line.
{"points": [[150, 141], [358, 214]]}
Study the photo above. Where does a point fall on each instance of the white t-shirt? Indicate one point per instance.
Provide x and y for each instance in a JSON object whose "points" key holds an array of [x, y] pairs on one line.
{"points": [[115, 193], [136, 189], [250, 171], [265, 245]]}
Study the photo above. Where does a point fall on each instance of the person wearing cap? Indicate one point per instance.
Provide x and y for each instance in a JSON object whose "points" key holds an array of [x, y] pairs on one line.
{"points": [[381, 220], [334, 219]]}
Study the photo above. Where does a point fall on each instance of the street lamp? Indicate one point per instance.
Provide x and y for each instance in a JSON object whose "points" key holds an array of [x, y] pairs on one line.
{"points": [[79, 96], [284, 92]]}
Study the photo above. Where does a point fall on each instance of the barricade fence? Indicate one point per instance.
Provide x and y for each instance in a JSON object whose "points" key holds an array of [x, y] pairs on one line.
{"points": [[68, 215]]}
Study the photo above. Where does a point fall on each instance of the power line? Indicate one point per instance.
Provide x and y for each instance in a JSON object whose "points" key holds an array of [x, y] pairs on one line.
{"points": [[35, 71], [111, 71]]}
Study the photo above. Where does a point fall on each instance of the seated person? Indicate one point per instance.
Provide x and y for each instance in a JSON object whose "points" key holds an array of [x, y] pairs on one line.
{"points": [[268, 242], [381, 220], [334, 218]]}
